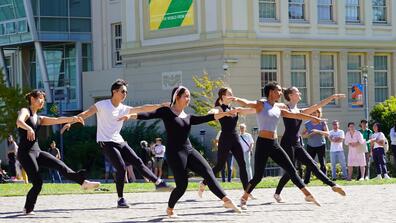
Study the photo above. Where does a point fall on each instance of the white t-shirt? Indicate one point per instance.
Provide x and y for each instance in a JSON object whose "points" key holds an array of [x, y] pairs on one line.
{"points": [[336, 146], [248, 138], [159, 150], [108, 128], [377, 136]]}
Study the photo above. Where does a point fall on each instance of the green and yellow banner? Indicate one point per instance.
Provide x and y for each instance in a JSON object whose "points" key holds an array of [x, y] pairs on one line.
{"points": [[166, 14]]}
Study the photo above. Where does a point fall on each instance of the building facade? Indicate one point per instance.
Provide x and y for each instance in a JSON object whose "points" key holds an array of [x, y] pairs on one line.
{"points": [[320, 46], [47, 44]]}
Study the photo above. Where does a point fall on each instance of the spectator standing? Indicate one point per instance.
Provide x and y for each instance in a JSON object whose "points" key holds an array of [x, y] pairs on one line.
{"points": [[356, 156], [336, 137], [392, 135], [247, 143], [377, 144], [159, 152], [54, 174], [316, 143], [11, 154], [366, 132]]}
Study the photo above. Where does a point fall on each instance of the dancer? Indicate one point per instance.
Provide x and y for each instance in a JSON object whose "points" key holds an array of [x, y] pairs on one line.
{"points": [[114, 148], [292, 144], [180, 153], [229, 138], [268, 115], [32, 157]]}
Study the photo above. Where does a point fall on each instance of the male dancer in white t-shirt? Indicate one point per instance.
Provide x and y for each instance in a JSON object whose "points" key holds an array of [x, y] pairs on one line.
{"points": [[116, 150]]}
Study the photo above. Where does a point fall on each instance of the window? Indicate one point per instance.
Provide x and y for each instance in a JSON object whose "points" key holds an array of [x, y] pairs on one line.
{"points": [[381, 77], [269, 70], [352, 11], [326, 76], [325, 10], [299, 75], [296, 9], [379, 11], [116, 45], [354, 72], [267, 10]]}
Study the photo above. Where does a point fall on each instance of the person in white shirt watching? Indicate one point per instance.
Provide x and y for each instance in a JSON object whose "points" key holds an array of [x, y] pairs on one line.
{"points": [[392, 135], [336, 137], [247, 143], [159, 152]]}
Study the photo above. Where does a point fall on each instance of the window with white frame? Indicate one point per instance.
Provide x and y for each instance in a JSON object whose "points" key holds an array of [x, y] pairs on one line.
{"points": [[327, 75], [381, 77], [267, 10], [325, 10], [352, 11], [296, 9], [299, 75], [116, 31], [269, 69], [379, 11], [354, 73]]}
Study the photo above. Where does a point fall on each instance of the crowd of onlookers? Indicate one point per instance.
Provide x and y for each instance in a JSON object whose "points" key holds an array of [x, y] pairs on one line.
{"points": [[353, 149]]}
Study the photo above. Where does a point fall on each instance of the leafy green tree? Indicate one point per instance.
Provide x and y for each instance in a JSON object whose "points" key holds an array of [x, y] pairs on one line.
{"points": [[384, 113], [12, 99], [205, 95]]}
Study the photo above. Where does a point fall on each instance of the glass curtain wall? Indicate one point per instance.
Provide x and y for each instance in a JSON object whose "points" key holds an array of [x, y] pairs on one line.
{"points": [[13, 23]]}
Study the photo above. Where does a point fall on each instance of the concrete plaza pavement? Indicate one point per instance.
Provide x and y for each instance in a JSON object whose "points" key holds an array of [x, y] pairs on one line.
{"points": [[368, 203]]}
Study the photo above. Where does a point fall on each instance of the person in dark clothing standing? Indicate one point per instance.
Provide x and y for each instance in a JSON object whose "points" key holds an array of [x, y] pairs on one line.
{"points": [[11, 154], [54, 174], [180, 153], [32, 157]]}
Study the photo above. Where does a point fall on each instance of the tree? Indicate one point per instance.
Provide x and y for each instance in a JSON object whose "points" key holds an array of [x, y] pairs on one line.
{"points": [[12, 99], [384, 113], [205, 96]]}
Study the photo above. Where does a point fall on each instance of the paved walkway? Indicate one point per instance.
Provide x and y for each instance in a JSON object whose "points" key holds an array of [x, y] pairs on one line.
{"points": [[363, 204]]}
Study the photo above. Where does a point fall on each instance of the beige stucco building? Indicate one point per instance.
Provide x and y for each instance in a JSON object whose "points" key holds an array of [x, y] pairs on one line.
{"points": [[318, 46]]}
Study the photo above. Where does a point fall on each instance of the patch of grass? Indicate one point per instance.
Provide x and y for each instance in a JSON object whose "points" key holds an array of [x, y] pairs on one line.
{"points": [[58, 189]]}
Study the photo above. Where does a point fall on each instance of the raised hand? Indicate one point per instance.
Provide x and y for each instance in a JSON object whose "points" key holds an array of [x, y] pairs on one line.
{"points": [[66, 127], [78, 119]]}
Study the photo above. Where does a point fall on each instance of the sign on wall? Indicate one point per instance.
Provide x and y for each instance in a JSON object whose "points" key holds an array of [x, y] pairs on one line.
{"points": [[171, 79], [357, 95], [166, 14]]}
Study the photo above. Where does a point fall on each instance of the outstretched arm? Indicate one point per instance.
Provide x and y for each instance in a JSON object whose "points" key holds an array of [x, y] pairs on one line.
{"points": [[246, 111], [302, 116], [60, 120], [84, 115], [322, 103], [246, 103], [147, 108]]}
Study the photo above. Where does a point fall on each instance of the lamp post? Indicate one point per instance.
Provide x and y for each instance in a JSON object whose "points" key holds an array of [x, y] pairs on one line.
{"points": [[365, 70], [59, 98]]}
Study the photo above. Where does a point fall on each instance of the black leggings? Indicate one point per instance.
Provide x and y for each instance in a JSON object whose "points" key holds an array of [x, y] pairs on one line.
{"points": [[227, 143], [120, 154], [189, 158], [268, 148], [297, 153], [313, 151], [32, 160]]}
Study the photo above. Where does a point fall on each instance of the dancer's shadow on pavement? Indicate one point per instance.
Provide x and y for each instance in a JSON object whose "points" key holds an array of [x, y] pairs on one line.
{"points": [[19, 214]]}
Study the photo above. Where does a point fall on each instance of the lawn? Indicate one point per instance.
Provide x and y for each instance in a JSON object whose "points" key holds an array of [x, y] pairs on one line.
{"points": [[56, 189]]}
